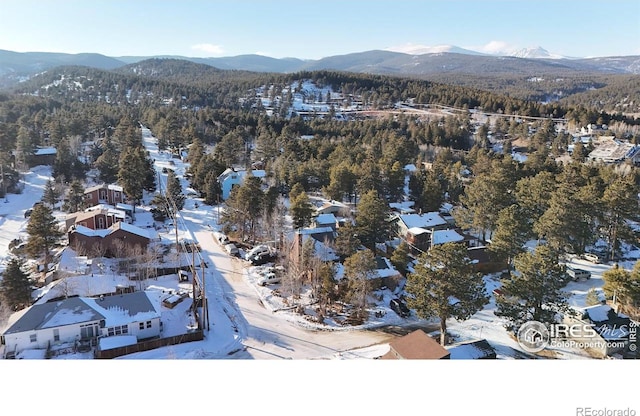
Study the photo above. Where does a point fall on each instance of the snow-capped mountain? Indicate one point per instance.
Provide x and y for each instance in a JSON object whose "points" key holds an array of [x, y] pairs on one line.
{"points": [[412, 49], [537, 52]]}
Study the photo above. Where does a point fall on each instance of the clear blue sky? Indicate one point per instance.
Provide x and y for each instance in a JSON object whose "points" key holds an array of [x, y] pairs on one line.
{"points": [[315, 29]]}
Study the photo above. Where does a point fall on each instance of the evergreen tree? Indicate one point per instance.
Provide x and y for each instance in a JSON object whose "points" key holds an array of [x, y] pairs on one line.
{"points": [[620, 205], [75, 197], [136, 173], [43, 232], [359, 269], [510, 236], [622, 286], [400, 257], [174, 190], [347, 241], [534, 292], [15, 285], [445, 286], [108, 162], [301, 210], [372, 223], [50, 195], [592, 298]]}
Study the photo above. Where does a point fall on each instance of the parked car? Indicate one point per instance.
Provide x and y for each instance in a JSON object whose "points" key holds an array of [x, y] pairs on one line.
{"points": [[269, 279], [399, 307], [576, 274], [257, 250], [232, 249], [592, 257], [262, 258]]}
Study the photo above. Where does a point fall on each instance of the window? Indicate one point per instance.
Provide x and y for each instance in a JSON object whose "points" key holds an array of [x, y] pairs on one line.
{"points": [[33, 337], [118, 330], [141, 325], [56, 335], [148, 324], [100, 223]]}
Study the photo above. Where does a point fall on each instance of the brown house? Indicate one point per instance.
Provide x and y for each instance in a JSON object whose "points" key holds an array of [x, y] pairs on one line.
{"points": [[99, 217], [103, 194], [416, 346], [111, 241]]}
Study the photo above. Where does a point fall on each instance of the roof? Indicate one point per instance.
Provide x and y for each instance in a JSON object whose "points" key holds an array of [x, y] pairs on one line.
{"points": [[120, 225], [258, 173], [114, 310], [55, 314], [416, 346], [445, 236], [326, 219], [472, 350], [113, 187], [428, 220], [613, 150], [45, 151]]}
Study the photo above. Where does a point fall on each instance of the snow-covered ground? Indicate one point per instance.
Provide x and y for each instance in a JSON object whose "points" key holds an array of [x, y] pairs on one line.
{"points": [[249, 321]]}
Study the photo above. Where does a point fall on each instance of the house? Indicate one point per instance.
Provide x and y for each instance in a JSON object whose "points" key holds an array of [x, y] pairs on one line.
{"points": [[326, 221], [611, 329], [610, 150], [445, 236], [472, 350], [103, 194], [331, 207], [416, 345], [83, 320], [111, 241], [417, 229], [98, 217], [415, 224], [322, 238], [42, 156], [232, 177]]}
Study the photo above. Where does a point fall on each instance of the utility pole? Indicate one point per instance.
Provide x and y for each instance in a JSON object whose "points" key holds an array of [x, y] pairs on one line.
{"points": [[4, 182]]}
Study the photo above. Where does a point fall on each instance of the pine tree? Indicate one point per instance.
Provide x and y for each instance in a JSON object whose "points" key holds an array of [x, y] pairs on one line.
{"points": [[372, 223], [301, 210], [135, 173], [50, 195], [534, 292], [622, 286], [400, 257], [445, 286], [43, 232], [75, 197], [359, 269], [510, 236], [174, 190], [15, 286]]}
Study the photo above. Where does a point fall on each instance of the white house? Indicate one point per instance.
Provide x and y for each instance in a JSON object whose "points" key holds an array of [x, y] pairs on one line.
{"points": [[232, 177], [76, 319], [419, 223]]}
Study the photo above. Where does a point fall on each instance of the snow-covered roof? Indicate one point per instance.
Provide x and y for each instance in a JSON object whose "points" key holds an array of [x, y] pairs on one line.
{"points": [[114, 310], [417, 231], [428, 220], [45, 151], [445, 236], [326, 219]]}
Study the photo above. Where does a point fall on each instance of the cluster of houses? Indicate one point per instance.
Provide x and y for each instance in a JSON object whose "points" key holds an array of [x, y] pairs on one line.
{"points": [[114, 319]]}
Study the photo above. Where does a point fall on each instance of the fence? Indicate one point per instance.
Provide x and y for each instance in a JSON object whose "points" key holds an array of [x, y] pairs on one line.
{"points": [[149, 345]]}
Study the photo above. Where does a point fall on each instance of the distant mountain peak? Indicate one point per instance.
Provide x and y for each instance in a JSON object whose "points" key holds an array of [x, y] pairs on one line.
{"points": [[537, 52], [412, 49]]}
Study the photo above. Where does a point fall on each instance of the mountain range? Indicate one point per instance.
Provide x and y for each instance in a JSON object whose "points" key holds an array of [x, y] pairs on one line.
{"points": [[419, 62]]}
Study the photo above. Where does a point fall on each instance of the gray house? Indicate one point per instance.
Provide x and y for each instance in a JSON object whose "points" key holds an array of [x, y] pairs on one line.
{"points": [[83, 320]]}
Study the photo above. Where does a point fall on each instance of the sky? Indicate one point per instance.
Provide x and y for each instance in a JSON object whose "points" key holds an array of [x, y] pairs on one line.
{"points": [[313, 30]]}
